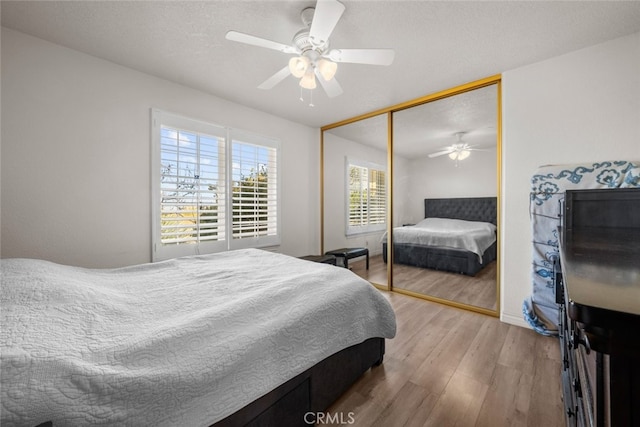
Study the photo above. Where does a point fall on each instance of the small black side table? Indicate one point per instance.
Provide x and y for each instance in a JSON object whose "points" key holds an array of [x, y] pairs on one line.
{"points": [[349, 253], [324, 259]]}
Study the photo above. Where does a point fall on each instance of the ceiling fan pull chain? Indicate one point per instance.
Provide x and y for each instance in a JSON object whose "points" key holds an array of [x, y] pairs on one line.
{"points": [[311, 98]]}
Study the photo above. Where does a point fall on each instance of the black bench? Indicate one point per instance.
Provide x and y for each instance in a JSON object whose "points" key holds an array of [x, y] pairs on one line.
{"points": [[325, 259], [349, 253]]}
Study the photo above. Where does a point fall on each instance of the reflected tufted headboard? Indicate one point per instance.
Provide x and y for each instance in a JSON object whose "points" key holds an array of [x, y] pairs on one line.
{"points": [[467, 208]]}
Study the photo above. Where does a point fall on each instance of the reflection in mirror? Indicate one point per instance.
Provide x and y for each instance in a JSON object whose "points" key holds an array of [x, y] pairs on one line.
{"points": [[446, 150], [355, 195]]}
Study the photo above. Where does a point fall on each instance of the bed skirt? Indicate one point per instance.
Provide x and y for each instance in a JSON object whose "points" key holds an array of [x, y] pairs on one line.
{"points": [[439, 258]]}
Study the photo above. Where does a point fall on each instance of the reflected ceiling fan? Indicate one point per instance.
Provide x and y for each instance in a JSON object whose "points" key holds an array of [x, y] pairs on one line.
{"points": [[460, 150], [314, 60]]}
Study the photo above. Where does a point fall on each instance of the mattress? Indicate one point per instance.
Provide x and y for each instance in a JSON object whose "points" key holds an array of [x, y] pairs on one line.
{"points": [[473, 236], [181, 342]]}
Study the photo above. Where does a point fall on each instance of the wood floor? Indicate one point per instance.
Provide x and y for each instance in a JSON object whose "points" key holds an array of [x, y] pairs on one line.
{"points": [[480, 290], [451, 367]]}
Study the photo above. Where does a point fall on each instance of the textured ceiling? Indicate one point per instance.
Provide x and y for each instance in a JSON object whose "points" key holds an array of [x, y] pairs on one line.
{"points": [[438, 44], [431, 127]]}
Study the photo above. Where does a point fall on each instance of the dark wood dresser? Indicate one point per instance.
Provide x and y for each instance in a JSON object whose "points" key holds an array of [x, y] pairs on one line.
{"points": [[598, 290]]}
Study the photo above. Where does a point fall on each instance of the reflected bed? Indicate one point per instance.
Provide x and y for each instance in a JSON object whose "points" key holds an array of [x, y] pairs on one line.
{"points": [[473, 221]]}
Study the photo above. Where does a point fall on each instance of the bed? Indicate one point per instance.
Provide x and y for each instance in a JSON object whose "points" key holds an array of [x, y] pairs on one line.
{"points": [[472, 220], [234, 338]]}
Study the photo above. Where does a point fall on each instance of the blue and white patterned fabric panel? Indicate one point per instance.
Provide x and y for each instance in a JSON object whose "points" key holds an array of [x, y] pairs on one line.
{"points": [[548, 186]]}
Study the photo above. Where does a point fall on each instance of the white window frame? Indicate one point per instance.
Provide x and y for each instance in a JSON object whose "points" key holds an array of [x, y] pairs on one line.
{"points": [[160, 251], [351, 230]]}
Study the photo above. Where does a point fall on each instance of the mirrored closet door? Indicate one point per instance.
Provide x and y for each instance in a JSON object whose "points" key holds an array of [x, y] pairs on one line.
{"points": [[355, 193], [445, 198], [430, 163]]}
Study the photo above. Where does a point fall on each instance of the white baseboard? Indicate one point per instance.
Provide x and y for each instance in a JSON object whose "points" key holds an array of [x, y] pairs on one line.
{"points": [[514, 320]]}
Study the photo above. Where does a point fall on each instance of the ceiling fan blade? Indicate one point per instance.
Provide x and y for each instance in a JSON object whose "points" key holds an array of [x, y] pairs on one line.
{"points": [[259, 41], [441, 153], [325, 18], [477, 147], [363, 56], [331, 87], [275, 79]]}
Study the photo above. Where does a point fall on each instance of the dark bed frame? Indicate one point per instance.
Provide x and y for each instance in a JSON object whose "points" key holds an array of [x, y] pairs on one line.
{"points": [[312, 391], [449, 259]]}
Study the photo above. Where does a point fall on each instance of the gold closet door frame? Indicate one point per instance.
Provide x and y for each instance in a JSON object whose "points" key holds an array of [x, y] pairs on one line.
{"points": [[389, 111]]}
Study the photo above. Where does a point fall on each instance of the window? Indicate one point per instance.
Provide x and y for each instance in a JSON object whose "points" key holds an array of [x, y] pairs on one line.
{"points": [[255, 191], [209, 195], [367, 197]]}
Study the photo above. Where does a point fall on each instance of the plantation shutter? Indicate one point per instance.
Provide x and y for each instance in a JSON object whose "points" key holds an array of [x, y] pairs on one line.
{"points": [[213, 188], [367, 197], [254, 194], [189, 186], [192, 198], [358, 179], [377, 197]]}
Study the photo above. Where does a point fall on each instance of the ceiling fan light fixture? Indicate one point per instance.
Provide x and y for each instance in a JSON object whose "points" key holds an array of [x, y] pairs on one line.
{"points": [[308, 81], [310, 45], [298, 66], [459, 154], [327, 69]]}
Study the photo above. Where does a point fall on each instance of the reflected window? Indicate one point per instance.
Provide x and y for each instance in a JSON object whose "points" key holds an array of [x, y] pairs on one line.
{"points": [[367, 193]]}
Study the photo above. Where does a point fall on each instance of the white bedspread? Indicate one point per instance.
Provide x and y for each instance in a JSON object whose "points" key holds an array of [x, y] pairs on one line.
{"points": [[473, 236], [181, 342]]}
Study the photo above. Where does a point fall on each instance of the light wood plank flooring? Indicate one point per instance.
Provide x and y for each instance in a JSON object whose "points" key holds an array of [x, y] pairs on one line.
{"points": [[451, 367], [479, 290]]}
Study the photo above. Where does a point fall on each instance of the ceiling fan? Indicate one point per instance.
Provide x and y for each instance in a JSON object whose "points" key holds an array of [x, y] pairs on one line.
{"points": [[460, 150], [314, 60]]}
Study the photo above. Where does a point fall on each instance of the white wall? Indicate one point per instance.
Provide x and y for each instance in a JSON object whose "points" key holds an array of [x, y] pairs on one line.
{"points": [[475, 176], [580, 107], [404, 198], [76, 156]]}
